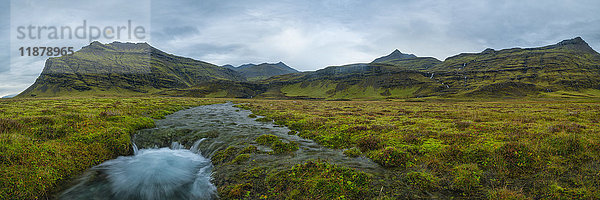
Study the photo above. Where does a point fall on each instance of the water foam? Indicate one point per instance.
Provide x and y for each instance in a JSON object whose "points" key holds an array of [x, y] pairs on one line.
{"points": [[163, 173]]}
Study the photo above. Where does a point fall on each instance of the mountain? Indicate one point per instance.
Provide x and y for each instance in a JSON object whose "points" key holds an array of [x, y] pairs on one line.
{"points": [[354, 81], [9, 96], [395, 55], [570, 65], [122, 69], [570, 68], [229, 67], [262, 71]]}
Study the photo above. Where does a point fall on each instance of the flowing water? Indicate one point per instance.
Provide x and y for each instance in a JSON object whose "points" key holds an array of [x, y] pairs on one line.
{"points": [[173, 163]]}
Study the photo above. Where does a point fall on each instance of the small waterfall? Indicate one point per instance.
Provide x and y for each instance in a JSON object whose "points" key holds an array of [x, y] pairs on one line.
{"points": [[135, 148], [160, 173], [181, 170], [194, 147]]}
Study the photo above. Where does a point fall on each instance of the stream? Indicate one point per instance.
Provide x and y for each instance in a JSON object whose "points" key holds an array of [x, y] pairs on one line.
{"points": [[173, 160]]}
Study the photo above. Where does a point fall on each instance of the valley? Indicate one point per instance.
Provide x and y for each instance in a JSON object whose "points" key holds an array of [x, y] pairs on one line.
{"points": [[519, 123]]}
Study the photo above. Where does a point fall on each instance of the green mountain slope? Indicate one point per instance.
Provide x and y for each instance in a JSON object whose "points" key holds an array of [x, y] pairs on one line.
{"points": [[571, 65], [356, 81], [262, 71], [122, 69], [567, 69], [395, 55]]}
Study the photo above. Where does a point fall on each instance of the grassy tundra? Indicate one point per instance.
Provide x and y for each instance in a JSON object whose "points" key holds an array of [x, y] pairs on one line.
{"points": [[522, 150], [46, 141]]}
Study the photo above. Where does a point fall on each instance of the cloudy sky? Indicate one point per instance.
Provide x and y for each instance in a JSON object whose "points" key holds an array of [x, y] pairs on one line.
{"points": [[306, 35]]}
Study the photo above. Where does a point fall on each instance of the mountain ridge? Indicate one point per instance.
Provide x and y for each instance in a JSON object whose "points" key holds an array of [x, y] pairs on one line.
{"points": [[395, 55], [255, 72], [122, 68], [140, 69]]}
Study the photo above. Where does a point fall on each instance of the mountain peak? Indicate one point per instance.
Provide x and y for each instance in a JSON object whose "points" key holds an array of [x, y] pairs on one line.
{"points": [[96, 46], [395, 55], [574, 41], [574, 44]]}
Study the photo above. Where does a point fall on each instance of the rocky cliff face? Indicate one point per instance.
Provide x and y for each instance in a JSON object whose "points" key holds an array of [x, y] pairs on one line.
{"points": [[123, 69], [262, 71]]}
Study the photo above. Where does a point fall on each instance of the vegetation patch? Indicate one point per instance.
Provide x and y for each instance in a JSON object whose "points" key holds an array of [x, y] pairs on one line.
{"points": [[319, 180], [46, 142], [474, 149]]}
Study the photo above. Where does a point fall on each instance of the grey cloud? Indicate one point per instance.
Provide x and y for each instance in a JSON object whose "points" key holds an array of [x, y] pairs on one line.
{"points": [[4, 36], [174, 32], [314, 34]]}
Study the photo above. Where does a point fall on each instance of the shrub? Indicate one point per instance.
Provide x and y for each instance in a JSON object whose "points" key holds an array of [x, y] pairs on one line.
{"points": [[466, 178], [8, 125], [266, 139], [462, 125], [240, 158], [506, 194], [369, 143], [319, 180], [565, 144], [518, 158], [249, 149], [391, 157], [423, 181], [568, 127], [223, 156], [352, 152], [280, 147]]}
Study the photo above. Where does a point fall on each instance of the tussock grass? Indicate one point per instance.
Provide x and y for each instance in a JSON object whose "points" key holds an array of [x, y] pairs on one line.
{"points": [[44, 142], [534, 149]]}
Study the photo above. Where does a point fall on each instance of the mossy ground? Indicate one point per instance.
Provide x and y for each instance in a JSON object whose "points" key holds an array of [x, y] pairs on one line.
{"points": [[519, 150], [44, 142], [526, 150]]}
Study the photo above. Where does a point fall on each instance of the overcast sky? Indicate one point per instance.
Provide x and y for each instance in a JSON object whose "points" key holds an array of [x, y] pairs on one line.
{"points": [[306, 35]]}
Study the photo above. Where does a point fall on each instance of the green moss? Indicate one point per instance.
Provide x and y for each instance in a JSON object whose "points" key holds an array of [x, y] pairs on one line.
{"points": [[352, 152], [249, 149], [267, 139], [241, 158], [264, 119], [531, 143], [423, 181], [45, 142], [280, 147], [319, 180], [391, 157], [467, 178], [225, 155]]}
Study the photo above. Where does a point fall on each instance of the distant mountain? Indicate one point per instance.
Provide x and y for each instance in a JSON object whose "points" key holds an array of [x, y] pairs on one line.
{"points": [[9, 96], [570, 65], [570, 68], [229, 67], [395, 55], [122, 69], [355, 81], [262, 71]]}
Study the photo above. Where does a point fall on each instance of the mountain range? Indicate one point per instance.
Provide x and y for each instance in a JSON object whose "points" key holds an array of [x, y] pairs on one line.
{"points": [[570, 68], [262, 71]]}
